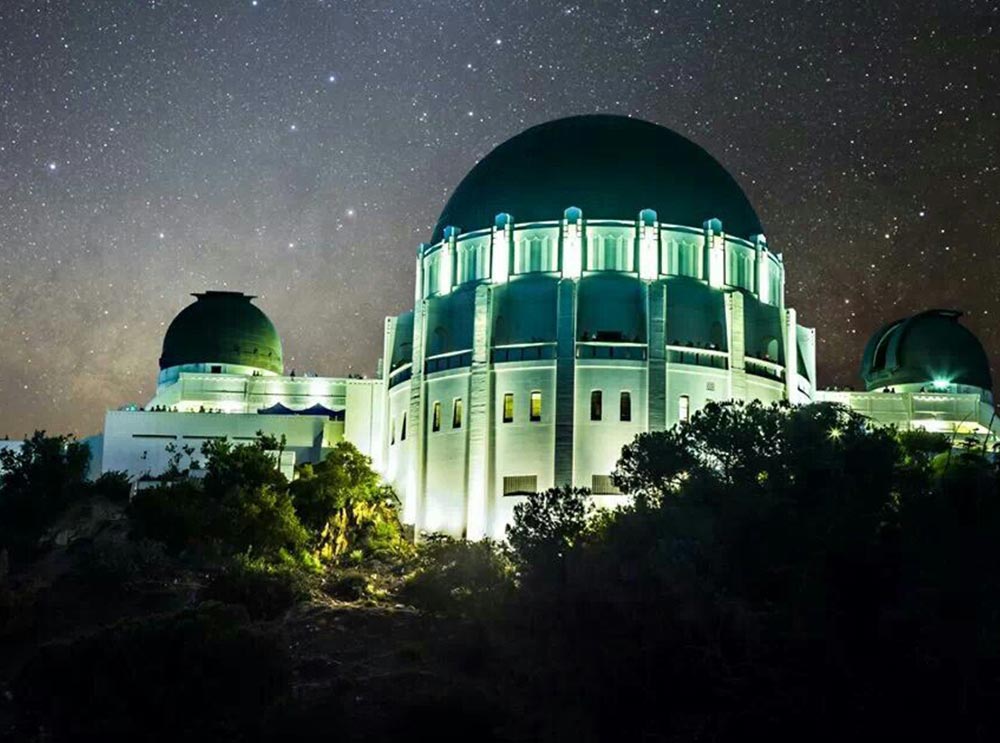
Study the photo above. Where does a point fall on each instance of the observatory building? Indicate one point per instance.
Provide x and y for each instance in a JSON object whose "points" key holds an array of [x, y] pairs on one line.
{"points": [[590, 279]]}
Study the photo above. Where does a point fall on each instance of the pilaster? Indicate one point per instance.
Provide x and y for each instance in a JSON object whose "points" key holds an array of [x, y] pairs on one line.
{"points": [[656, 367], [737, 345], [479, 477], [791, 355], [565, 382]]}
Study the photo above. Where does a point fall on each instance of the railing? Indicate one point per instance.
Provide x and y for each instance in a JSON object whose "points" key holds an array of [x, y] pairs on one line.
{"points": [[611, 350], [523, 352], [709, 357], [764, 368], [450, 360]]}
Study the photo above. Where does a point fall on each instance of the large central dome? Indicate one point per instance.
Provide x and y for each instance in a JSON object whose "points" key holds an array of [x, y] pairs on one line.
{"points": [[611, 167]]}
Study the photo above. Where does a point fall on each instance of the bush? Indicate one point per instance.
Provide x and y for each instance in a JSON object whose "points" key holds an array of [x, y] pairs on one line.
{"points": [[115, 486], [349, 584], [37, 483], [114, 562], [472, 579], [199, 674], [242, 506], [265, 591]]}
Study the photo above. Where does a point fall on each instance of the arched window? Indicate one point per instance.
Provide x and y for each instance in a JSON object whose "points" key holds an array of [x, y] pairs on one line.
{"points": [[596, 398], [625, 406], [456, 413]]}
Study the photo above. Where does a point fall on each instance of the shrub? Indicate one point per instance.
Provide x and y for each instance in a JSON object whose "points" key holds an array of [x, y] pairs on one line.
{"points": [[266, 591], [112, 562], [115, 486], [202, 673], [242, 506], [458, 577], [350, 584], [37, 483]]}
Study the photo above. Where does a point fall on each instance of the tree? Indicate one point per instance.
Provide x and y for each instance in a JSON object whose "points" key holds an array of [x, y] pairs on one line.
{"points": [[37, 482], [545, 528], [346, 508], [240, 506]]}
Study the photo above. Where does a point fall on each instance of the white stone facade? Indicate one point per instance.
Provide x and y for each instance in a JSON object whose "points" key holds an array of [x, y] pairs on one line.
{"points": [[560, 341]]}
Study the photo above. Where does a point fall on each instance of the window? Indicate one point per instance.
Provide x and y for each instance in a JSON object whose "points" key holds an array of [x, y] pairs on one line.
{"points": [[216, 369], [684, 408], [603, 485], [392, 431], [456, 413], [508, 407], [520, 484], [595, 405], [535, 411], [625, 406], [402, 429], [436, 417]]}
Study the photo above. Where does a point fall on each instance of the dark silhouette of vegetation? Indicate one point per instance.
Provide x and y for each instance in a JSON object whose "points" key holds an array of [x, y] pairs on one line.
{"points": [[470, 579], [780, 573], [266, 591], [784, 572], [199, 674], [37, 483]]}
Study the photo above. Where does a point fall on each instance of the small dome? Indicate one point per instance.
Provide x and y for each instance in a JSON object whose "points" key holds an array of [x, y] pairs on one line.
{"points": [[930, 347], [610, 167], [222, 328]]}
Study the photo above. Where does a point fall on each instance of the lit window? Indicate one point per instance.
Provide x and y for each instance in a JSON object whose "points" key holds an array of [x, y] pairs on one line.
{"points": [[535, 412], [508, 407], [436, 418], [456, 413], [684, 408], [402, 429], [595, 405], [625, 406]]}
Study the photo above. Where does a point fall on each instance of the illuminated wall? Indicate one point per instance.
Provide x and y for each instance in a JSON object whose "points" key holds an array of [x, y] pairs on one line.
{"points": [[541, 329]]}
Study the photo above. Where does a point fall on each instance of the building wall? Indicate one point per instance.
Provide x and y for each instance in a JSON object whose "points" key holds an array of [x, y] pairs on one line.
{"points": [[674, 316]]}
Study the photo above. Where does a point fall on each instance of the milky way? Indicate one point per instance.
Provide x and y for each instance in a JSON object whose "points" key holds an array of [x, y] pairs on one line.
{"points": [[301, 150]]}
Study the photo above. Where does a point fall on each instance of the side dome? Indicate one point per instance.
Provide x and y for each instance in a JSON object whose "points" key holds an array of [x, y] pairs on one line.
{"points": [[611, 167], [931, 348], [222, 328]]}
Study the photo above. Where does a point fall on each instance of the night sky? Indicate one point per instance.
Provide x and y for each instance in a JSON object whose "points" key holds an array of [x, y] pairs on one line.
{"points": [[301, 150]]}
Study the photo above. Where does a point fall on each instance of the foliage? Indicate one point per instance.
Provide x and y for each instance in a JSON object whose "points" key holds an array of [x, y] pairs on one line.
{"points": [[37, 482], [459, 577], [110, 563], [266, 591], [784, 572], [341, 501], [348, 584], [545, 527], [115, 486], [240, 506], [200, 674]]}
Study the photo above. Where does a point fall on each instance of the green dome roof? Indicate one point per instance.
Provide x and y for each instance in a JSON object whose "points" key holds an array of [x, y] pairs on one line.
{"points": [[929, 347], [611, 167], [222, 328]]}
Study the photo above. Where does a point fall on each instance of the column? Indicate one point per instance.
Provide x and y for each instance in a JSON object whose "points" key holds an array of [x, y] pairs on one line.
{"points": [[565, 382], [479, 478]]}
